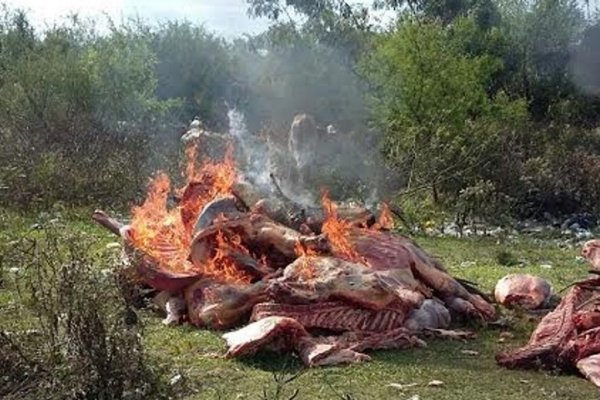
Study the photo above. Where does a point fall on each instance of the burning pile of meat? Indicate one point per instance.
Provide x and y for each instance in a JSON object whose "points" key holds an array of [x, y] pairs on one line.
{"points": [[326, 283]]}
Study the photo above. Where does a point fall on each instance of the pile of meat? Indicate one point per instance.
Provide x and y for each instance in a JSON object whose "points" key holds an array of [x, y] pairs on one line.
{"points": [[568, 338], [326, 283]]}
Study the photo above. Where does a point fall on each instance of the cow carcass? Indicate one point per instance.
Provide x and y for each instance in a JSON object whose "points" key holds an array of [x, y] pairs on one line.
{"points": [[567, 338]]}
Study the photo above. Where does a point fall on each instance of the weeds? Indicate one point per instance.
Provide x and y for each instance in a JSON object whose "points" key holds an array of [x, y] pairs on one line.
{"points": [[279, 391], [75, 338], [506, 258]]}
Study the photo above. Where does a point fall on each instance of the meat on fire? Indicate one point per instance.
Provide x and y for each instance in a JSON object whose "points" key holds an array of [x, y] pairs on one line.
{"points": [[326, 283]]}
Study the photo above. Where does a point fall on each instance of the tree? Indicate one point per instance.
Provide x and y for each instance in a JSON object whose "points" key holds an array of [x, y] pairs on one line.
{"points": [[196, 67], [430, 99]]}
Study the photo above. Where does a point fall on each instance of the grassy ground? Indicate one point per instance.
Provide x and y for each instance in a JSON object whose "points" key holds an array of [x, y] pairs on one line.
{"points": [[195, 354]]}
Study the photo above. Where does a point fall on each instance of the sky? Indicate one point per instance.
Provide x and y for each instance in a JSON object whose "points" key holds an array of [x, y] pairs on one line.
{"points": [[225, 17]]}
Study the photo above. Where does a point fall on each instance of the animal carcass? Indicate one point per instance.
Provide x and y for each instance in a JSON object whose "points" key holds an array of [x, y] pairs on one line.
{"points": [[567, 338]]}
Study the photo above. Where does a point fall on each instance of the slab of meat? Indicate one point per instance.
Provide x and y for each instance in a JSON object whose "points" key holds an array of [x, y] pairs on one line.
{"points": [[399, 338], [283, 333], [391, 252], [430, 315], [259, 234], [219, 306], [225, 206], [590, 368], [154, 275], [591, 252], [348, 348], [260, 334], [523, 290], [314, 352], [317, 279], [246, 264], [291, 214], [334, 315], [565, 337], [116, 227], [144, 267], [336, 294]]}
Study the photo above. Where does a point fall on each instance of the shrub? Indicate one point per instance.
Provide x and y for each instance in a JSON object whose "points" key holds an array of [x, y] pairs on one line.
{"points": [[74, 336], [79, 116]]}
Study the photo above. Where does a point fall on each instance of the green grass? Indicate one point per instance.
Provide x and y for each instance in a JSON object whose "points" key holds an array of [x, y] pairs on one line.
{"points": [[196, 354]]}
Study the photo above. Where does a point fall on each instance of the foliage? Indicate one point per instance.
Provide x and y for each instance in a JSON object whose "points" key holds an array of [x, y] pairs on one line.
{"points": [[75, 337], [541, 38], [484, 107], [76, 109], [440, 124], [196, 67], [467, 104], [86, 117]]}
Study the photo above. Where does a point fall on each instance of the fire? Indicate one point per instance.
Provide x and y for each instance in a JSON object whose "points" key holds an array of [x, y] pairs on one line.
{"points": [[307, 270], [337, 230], [302, 250], [158, 231], [222, 265], [204, 184], [385, 220], [165, 233]]}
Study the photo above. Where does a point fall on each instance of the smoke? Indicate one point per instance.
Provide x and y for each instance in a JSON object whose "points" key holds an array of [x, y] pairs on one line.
{"points": [[256, 163], [585, 63], [312, 157], [279, 83]]}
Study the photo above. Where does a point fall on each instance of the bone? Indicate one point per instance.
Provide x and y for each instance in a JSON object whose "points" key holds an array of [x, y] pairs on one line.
{"points": [[173, 305], [109, 223]]}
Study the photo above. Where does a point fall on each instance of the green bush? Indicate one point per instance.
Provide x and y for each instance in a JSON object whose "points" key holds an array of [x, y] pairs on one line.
{"points": [[72, 335]]}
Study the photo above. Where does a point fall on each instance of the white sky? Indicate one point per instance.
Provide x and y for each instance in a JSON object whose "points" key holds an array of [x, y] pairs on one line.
{"points": [[226, 17]]}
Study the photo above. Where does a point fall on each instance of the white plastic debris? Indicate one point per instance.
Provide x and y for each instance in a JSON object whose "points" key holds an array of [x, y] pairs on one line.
{"points": [[113, 245], [435, 383], [174, 380], [401, 386]]}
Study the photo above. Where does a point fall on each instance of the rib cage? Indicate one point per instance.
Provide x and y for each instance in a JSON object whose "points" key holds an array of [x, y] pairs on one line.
{"points": [[333, 315]]}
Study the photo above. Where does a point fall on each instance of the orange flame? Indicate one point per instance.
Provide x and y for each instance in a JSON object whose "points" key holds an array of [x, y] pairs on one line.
{"points": [[204, 184], [222, 265], [307, 270], [337, 230], [385, 220], [165, 233], [156, 230]]}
